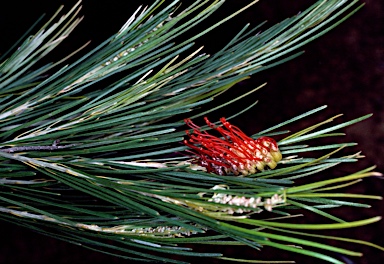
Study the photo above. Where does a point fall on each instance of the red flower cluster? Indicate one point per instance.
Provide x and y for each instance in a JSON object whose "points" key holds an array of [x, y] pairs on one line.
{"points": [[235, 152]]}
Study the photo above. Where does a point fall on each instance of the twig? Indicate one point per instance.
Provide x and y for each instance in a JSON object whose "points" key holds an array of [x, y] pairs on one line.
{"points": [[54, 146]]}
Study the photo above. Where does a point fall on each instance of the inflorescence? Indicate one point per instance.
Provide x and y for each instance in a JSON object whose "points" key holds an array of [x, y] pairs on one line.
{"points": [[234, 153], [252, 204]]}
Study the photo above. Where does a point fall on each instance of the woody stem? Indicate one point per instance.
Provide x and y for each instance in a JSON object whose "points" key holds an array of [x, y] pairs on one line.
{"points": [[54, 146]]}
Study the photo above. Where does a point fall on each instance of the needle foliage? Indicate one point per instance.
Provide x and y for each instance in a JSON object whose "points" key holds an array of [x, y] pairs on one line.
{"points": [[96, 160]]}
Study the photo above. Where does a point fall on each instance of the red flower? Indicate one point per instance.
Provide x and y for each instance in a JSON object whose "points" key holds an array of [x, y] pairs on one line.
{"points": [[235, 152]]}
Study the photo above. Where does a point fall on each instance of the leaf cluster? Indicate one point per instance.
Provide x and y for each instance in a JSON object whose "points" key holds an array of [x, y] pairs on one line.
{"points": [[119, 173]]}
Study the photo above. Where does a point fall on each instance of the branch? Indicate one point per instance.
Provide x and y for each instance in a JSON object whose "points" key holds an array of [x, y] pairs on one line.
{"points": [[54, 146]]}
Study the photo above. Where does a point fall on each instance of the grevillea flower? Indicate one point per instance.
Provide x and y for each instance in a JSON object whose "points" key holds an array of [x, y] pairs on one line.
{"points": [[234, 152]]}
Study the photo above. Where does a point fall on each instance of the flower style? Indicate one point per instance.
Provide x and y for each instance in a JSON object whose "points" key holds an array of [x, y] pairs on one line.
{"points": [[234, 153]]}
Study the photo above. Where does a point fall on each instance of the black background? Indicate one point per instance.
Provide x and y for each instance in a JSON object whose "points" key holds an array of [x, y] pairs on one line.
{"points": [[343, 69]]}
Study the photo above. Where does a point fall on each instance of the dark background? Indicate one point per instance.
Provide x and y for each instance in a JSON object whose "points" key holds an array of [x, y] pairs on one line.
{"points": [[343, 69]]}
